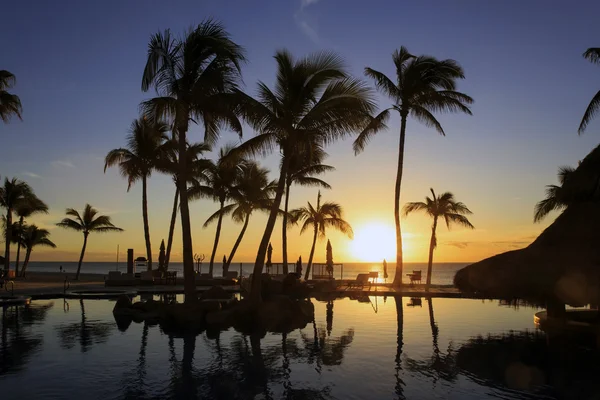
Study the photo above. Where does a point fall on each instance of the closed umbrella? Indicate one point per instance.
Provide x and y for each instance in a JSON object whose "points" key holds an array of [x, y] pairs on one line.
{"points": [[329, 258], [299, 266], [385, 274], [161, 256], [269, 254], [225, 266]]}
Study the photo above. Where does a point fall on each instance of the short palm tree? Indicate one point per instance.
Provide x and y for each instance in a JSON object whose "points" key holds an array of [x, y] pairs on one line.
{"points": [[10, 104], [319, 218], [137, 161], [220, 179], [442, 206], [13, 194], [32, 236], [192, 75], [314, 102], [303, 170], [25, 210], [87, 222], [424, 85], [557, 197], [593, 55]]}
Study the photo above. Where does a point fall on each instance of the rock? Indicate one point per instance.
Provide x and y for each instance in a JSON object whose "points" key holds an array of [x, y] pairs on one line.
{"points": [[149, 306], [123, 302], [215, 293]]}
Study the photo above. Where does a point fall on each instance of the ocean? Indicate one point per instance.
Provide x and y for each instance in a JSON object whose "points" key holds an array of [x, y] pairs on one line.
{"points": [[443, 273]]}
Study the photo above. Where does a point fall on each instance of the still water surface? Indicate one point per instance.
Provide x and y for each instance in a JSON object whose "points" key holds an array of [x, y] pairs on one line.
{"points": [[375, 349]]}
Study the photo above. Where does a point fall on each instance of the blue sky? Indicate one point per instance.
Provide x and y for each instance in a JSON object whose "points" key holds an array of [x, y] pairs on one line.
{"points": [[79, 64]]}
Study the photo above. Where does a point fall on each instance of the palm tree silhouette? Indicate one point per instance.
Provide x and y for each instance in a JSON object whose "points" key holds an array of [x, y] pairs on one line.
{"points": [[192, 75], [424, 85], [10, 104], [442, 206], [557, 197], [220, 178], [302, 171], [87, 222], [25, 210], [593, 55], [137, 161], [31, 237], [314, 102], [326, 215], [13, 194], [86, 333]]}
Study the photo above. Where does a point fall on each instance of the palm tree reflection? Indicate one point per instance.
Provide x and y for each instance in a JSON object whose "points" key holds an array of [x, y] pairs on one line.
{"points": [[86, 333]]}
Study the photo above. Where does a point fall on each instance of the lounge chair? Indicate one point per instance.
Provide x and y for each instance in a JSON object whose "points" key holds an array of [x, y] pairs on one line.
{"points": [[414, 277], [360, 282], [116, 278], [147, 278]]}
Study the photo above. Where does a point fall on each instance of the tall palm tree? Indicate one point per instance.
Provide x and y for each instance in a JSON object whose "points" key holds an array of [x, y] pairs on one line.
{"points": [[192, 75], [593, 55], [87, 222], [302, 171], [25, 210], [326, 215], [442, 206], [314, 102], [13, 194], [424, 85], [169, 164], [137, 161], [221, 178], [10, 104], [33, 236], [557, 197]]}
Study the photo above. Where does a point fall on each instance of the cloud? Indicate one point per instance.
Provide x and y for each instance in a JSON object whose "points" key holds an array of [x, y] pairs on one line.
{"points": [[63, 163], [305, 22], [515, 244], [306, 3], [460, 245], [31, 175]]}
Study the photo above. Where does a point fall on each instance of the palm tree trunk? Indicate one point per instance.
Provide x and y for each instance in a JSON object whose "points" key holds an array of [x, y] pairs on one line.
{"points": [[284, 228], [189, 283], [18, 247], [8, 239], [238, 241], [217, 235], [312, 253], [146, 225], [399, 345], [26, 262], [398, 276], [431, 248], [255, 296], [85, 237], [434, 328], [171, 229]]}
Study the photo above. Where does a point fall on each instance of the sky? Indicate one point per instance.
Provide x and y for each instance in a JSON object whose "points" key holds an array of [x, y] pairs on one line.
{"points": [[79, 65]]}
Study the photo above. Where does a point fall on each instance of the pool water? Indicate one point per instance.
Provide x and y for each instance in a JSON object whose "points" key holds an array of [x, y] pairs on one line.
{"points": [[370, 348]]}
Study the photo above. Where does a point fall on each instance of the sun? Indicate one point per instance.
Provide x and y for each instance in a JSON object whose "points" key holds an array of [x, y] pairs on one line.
{"points": [[374, 242]]}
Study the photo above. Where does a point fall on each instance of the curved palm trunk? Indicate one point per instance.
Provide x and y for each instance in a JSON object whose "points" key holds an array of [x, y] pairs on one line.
{"points": [[398, 276], [189, 284], [255, 296], [146, 225], [19, 248], [217, 235], [171, 229], [284, 229], [8, 239], [26, 262], [431, 248], [238, 240], [312, 253], [399, 345], [434, 328], [85, 236]]}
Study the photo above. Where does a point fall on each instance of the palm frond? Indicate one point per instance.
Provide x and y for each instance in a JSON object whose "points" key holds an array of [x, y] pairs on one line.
{"points": [[338, 224], [413, 207], [592, 54], [458, 219], [226, 210], [375, 124], [383, 83], [68, 223], [590, 113]]}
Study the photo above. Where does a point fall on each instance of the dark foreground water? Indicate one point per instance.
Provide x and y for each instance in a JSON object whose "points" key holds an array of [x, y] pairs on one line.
{"points": [[375, 348]]}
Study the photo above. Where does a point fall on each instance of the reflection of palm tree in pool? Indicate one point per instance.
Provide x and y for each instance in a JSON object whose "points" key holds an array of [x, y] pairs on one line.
{"points": [[329, 317], [17, 341], [399, 344], [86, 333]]}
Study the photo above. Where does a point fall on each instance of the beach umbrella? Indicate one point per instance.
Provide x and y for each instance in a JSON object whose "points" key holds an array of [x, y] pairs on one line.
{"points": [[329, 258], [385, 274], [225, 266], [161, 256], [299, 266], [269, 254]]}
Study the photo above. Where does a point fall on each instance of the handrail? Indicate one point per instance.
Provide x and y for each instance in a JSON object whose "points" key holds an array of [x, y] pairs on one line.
{"points": [[66, 285]]}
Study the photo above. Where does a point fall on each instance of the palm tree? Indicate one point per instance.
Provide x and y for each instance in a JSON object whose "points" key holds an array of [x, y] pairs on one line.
{"points": [[87, 222], [442, 206], [557, 198], [424, 85], [221, 177], [169, 164], [137, 161], [314, 102], [33, 236], [192, 76], [323, 216], [25, 210], [10, 104], [302, 171], [13, 194], [593, 55]]}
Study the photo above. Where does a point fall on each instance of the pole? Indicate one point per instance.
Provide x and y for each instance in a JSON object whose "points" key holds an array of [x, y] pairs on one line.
{"points": [[240, 270], [117, 257]]}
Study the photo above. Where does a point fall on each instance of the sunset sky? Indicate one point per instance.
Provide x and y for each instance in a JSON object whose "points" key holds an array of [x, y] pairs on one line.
{"points": [[79, 64]]}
